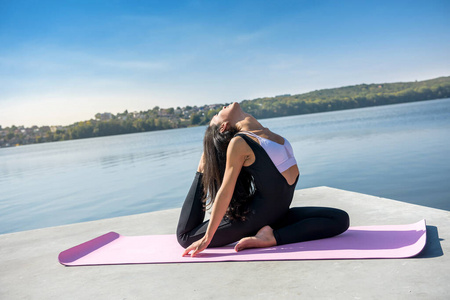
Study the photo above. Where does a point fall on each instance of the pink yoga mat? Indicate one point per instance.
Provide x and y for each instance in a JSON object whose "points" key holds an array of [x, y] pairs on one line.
{"points": [[386, 241]]}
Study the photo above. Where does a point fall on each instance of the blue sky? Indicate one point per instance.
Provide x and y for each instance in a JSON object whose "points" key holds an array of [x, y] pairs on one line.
{"points": [[64, 61]]}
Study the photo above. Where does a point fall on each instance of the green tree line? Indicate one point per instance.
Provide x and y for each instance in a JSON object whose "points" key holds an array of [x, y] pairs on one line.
{"points": [[362, 95], [357, 96]]}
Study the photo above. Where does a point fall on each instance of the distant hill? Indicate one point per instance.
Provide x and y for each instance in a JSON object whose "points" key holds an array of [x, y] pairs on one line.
{"points": [[104, 124], [362, 95]]}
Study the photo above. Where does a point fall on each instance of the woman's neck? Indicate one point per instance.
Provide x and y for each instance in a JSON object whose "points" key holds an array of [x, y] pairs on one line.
{"points": [[249, 123]]}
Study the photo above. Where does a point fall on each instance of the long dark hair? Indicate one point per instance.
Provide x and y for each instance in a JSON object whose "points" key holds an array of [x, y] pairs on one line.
{"points": [[215, 145]]}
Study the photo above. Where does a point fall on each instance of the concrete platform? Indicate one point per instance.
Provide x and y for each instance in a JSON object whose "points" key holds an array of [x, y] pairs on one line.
{"points": [[29, 268]]}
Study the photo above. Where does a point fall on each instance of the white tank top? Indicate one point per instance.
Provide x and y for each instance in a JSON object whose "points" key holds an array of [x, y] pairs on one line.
{"points": [[282, 156]]}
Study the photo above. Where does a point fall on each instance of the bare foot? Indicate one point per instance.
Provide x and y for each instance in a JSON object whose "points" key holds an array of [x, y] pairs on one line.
{"points": [[264, 238]]}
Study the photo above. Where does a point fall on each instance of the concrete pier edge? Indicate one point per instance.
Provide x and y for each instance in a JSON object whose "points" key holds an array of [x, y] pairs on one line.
{"points": [[30, 269]]}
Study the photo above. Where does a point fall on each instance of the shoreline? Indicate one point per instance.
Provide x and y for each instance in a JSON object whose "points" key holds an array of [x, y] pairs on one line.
{"points": [[2, 146]]}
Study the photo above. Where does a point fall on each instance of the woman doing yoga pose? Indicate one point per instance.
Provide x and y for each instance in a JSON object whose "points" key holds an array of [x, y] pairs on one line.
{"points": [[248, 174]]}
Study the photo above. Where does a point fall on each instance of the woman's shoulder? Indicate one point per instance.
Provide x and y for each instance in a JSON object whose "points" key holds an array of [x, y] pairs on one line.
{"points": [[238, 144], [237, 140]]}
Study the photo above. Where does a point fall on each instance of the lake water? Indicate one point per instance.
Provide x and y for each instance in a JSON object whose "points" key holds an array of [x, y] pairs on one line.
{"points": [[398, 151]]}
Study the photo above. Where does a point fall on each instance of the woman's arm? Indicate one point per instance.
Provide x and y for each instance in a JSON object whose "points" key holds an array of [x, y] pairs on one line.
{"points": [[237, 153], [201, 164]]}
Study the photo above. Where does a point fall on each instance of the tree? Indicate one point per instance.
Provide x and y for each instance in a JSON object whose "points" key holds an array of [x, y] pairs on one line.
{"points": [[195, 119], [210, 114]]}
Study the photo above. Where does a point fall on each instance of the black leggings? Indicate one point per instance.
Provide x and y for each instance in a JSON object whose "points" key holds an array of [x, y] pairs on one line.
{"points": [[297, 224]]}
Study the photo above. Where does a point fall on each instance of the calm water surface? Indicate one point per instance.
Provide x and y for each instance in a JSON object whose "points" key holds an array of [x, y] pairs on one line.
{"points": [[398, 151]]}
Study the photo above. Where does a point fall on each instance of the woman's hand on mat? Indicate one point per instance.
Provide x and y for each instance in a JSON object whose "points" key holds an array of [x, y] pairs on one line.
{"points": [[196, 247]]}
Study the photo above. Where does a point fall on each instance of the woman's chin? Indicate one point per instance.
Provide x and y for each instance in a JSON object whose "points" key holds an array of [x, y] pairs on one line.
{"points": [[236, 106]]}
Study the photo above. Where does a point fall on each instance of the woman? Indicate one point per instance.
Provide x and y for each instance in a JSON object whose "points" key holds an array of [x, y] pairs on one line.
{"points": [[249, 175]]}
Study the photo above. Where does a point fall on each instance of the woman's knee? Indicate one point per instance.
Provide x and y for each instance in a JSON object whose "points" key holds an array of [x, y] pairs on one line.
{"points": [[343, 220], [183, 240]]}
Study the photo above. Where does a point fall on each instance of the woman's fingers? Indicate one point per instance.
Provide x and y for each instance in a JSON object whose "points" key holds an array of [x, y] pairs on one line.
{"points": [[196, 251], [187, 250], [196, 247], [193, 247]]}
